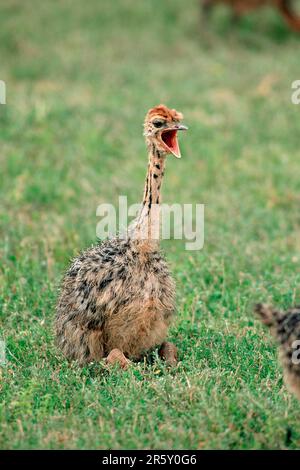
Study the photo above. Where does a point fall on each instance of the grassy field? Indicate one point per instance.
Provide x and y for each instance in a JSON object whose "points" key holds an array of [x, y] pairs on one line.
{"points": [[80, 77]]}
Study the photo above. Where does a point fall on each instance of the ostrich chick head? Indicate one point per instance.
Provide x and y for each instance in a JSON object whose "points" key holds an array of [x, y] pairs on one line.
{"points": [[160, 129]]}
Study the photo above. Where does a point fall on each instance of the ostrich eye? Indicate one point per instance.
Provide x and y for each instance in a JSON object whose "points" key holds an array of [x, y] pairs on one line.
{"points": [[158, 123]]}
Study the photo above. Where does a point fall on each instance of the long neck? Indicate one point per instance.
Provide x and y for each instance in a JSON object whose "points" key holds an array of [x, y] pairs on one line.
{"points": [[147, 225]]}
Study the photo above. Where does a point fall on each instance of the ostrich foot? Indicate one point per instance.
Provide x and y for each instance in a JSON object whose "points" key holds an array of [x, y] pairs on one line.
{"points": [[168, 352], [117, 357]]}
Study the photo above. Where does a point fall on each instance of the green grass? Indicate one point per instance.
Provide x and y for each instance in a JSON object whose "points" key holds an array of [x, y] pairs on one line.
{"points": [[80, 77]]}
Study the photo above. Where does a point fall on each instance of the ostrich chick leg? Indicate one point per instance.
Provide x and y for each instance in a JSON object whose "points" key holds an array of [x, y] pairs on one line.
{"points": [[117, 357], [168, 352]]}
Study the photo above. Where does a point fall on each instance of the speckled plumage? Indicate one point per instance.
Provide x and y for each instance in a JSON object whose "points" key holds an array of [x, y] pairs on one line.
{"points": [[119, 295], [114, 297], [285, 327]]}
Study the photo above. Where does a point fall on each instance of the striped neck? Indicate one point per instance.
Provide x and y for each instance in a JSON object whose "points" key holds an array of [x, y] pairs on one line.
{"points": [[147, 224]]}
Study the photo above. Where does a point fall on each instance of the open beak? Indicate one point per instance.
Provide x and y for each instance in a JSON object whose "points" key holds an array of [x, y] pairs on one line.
{"points": [[170, 141]]}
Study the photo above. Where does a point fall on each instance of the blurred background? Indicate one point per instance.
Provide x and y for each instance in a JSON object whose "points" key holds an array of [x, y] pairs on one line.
{"points": [[80, 77]]}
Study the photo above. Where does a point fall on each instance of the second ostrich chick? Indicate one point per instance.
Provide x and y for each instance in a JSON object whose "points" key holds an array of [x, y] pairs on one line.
{"points": [[117, 298], [285, 327], [243, 6]]}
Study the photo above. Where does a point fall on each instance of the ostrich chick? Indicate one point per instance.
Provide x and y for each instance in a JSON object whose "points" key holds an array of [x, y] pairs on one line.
{"points": [[240, 7], [285, 327], [117, 299]]}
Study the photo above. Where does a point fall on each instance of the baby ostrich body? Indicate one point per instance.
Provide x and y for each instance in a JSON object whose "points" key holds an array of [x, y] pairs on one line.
{"points": [[285, 327], [117, 298], [240, 7]]}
